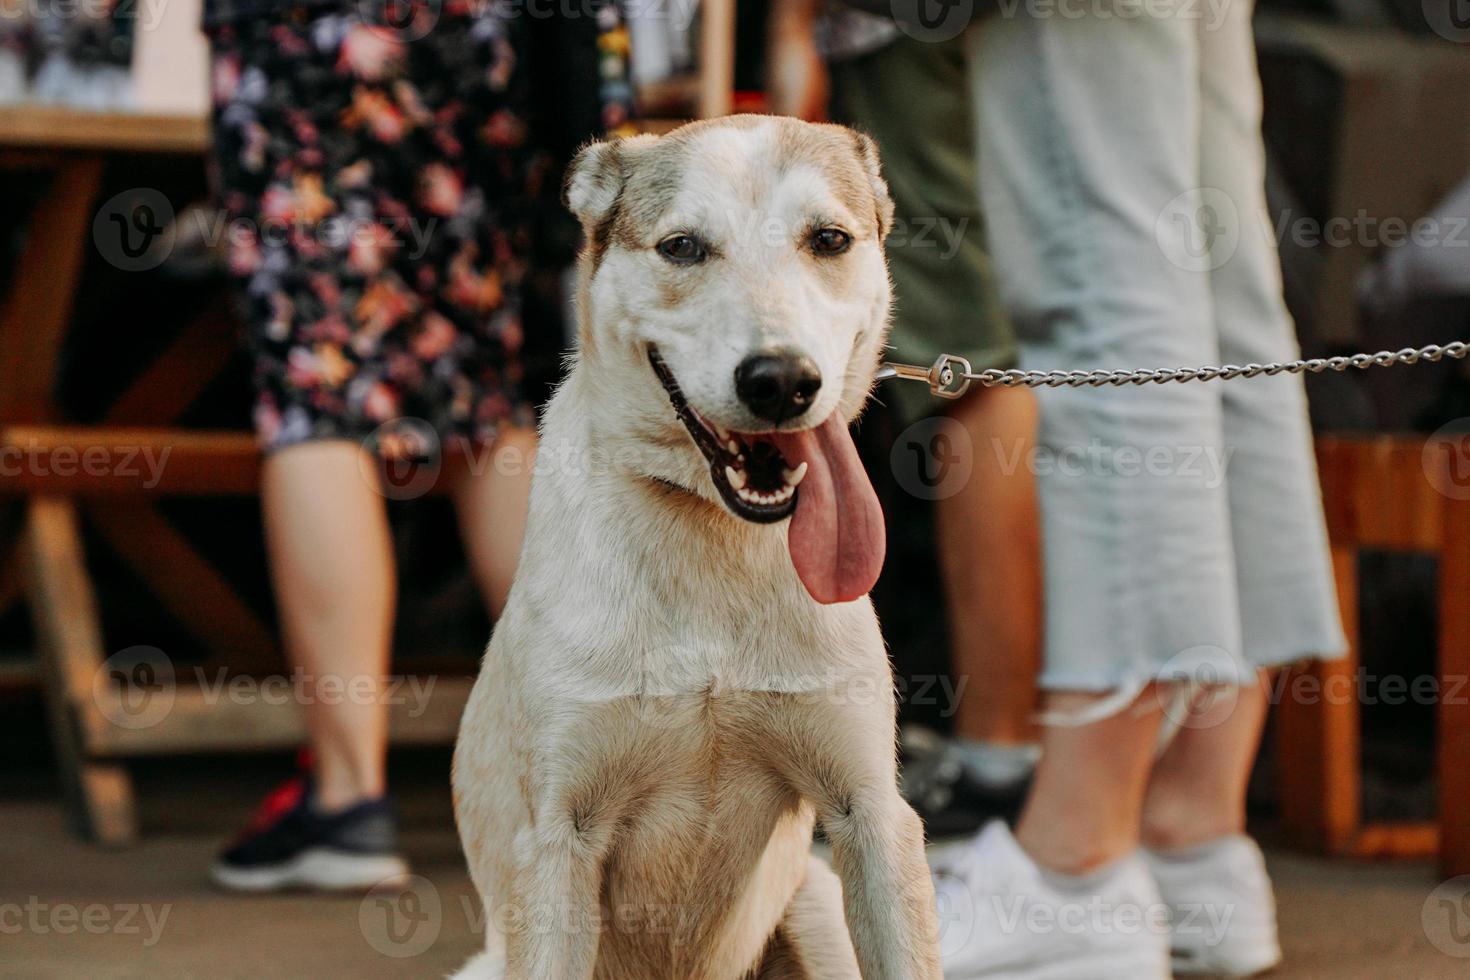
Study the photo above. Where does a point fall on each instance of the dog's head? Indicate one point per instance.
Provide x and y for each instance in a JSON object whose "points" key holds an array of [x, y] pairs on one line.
{"points": [[739, 264]]}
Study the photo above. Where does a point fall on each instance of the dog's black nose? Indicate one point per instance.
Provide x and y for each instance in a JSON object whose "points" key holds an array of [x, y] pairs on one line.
{"points": [[777, 385]]}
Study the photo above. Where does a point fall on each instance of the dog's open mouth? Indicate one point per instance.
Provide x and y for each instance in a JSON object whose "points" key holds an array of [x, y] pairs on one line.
{"points": [[814, 476], [749, 471]]}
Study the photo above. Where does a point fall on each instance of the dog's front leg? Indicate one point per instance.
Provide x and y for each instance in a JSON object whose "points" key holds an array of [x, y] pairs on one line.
{"points": [[878, 852], [554, 928]]}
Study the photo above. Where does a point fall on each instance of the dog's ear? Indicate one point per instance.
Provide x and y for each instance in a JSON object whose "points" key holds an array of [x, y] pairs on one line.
{"points": [[867, 151], [595, 178]]}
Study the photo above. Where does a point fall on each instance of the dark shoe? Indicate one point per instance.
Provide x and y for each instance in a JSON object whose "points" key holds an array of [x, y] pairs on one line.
{"points": [[290, 845], [951, 801]]}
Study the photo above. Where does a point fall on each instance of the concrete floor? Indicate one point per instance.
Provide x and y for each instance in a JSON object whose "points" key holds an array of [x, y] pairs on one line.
{"points": [[68, 910]]}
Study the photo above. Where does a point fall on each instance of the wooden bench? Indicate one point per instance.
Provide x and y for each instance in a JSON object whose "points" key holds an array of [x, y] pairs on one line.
{"points": [[1382, 493]]}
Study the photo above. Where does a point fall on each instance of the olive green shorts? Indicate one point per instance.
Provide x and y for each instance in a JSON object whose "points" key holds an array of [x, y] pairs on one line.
{"points": [[913, 98]]}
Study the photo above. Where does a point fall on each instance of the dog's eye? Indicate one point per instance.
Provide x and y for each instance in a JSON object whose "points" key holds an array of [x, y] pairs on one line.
{"points": [[682, 249], [830, 241]]}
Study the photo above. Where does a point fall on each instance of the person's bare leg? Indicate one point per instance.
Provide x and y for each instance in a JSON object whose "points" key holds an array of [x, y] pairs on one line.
{"points": [[993, 523], [331, 558], [1086, 803], [1198, 787], [490, 497]]}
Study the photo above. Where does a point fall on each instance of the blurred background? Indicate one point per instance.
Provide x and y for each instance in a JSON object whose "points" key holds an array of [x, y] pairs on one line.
{"points": [[143, 570]]}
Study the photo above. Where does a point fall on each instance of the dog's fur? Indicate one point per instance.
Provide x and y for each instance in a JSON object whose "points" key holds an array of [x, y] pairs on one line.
{"points": [[664, 711]]}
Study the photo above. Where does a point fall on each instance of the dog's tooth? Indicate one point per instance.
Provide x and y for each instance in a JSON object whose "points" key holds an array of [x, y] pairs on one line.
{"points": [[736, 477], [794, 477], [734, 447]]}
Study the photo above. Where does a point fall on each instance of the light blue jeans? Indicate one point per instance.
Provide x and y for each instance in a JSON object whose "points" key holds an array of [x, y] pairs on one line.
{"points": [[1122, 173]]}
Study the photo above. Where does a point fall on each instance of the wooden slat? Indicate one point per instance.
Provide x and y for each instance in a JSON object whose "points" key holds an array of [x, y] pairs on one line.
{"points": [[203, 719], [179, 374], [189, 587], [143, 461], [1454, 707], [35, 315], [47, 127], [1387, 503], [128, 461], [1395, 841]]}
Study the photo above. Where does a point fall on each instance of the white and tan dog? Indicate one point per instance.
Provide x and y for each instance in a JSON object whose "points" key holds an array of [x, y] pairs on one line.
{"points": [[685, 679]]}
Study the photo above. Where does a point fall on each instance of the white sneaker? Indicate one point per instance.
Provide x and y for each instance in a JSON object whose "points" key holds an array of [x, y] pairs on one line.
{"points": [[1004, 918], [1223, 911]]}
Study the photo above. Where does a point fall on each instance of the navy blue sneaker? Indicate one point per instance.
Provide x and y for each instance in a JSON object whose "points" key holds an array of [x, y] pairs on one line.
{"points": [[289, 845]]}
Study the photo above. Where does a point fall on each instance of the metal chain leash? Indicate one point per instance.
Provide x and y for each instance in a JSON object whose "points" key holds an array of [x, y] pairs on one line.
{"points": [[950, 376]]}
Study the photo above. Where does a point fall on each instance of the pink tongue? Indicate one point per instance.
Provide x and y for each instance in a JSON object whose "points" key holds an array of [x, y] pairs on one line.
{"points": [[836, 535]]}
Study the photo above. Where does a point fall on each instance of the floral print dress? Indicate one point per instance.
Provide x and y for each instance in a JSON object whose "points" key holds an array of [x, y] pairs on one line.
{"points": [[383, 186]]}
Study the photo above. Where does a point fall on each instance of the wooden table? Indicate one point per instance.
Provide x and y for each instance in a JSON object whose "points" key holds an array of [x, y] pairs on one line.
{"points": [[43, 500]]}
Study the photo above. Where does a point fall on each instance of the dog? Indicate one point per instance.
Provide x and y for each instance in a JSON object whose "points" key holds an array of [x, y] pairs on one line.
{"points": [[688, 673]]}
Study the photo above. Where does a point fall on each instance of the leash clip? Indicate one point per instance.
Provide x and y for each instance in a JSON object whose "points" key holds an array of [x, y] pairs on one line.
{"points": [[941, 377]]}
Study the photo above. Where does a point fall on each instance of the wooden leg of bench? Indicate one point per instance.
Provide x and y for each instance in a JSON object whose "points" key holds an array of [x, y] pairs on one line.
{"points": [[1454, 707], [1318, 735], [44, 285], [70, 636]]}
